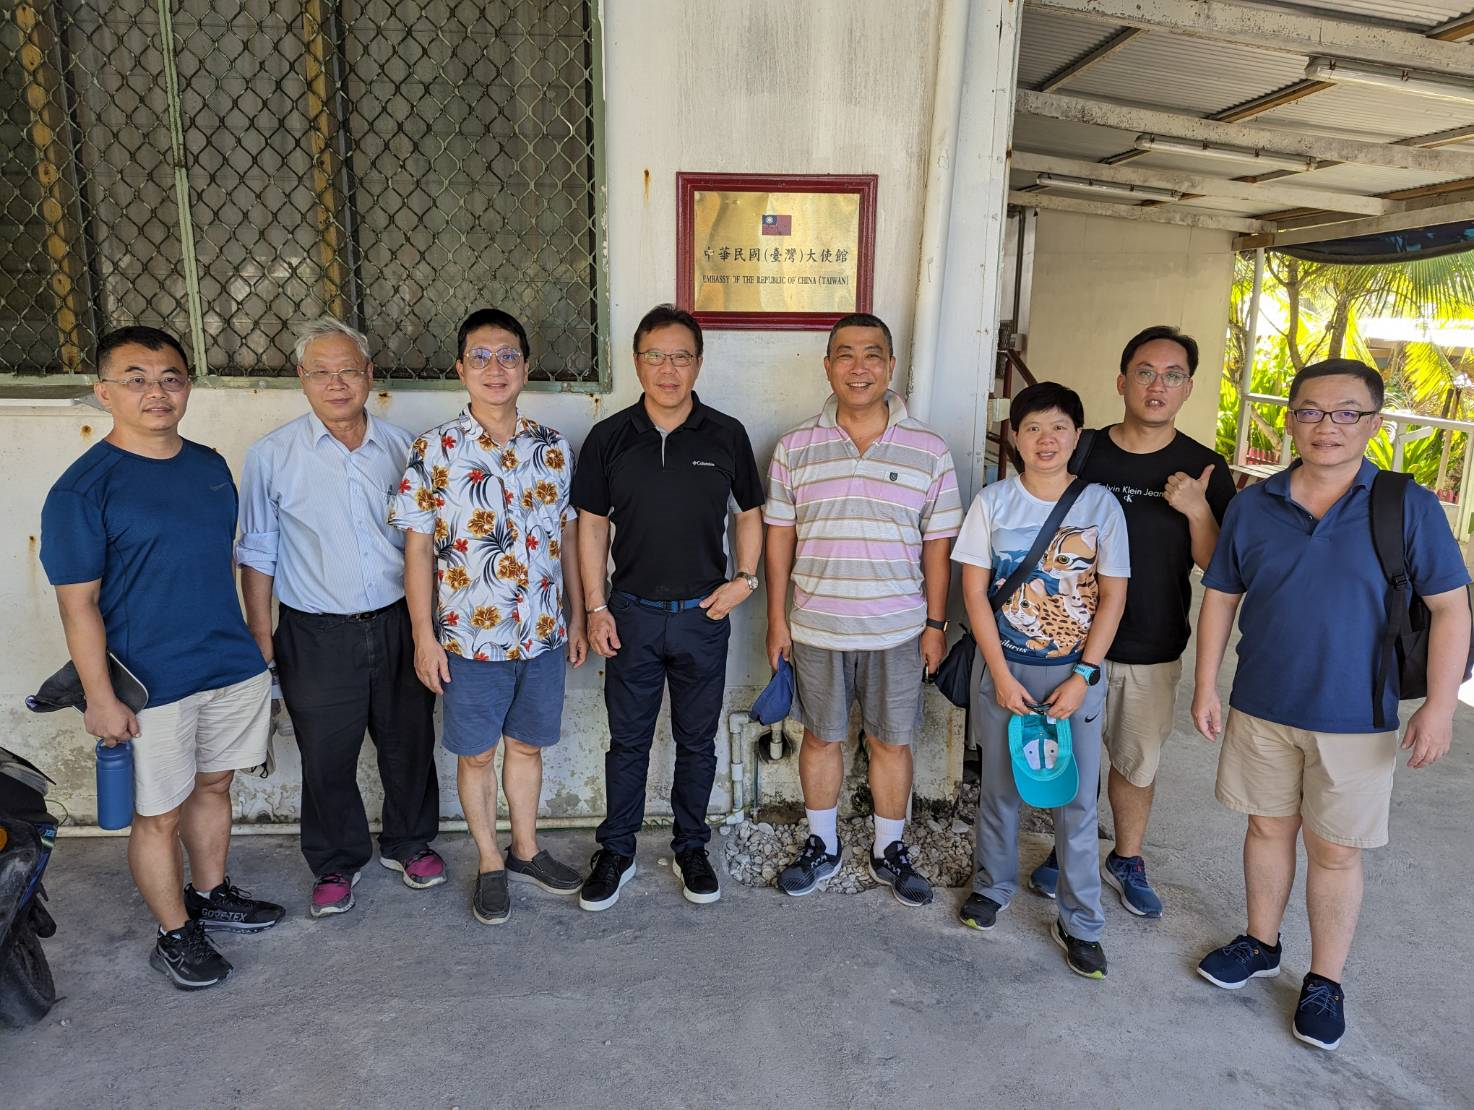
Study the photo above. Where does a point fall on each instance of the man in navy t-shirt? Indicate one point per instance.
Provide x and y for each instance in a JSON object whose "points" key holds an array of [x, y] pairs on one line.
{"points": [[1310, 742], [136, 537]]}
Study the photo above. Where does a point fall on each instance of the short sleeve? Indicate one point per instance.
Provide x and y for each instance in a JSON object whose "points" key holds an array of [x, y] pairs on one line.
{"points": [[589, 492], [941, 513], [1224, 573], [780, 508], [975, 539], [1220, 487], [747, 483], [1433, 556], [1114, 558], [413, 506], [259, 527], [566, 513], [73, 538]]}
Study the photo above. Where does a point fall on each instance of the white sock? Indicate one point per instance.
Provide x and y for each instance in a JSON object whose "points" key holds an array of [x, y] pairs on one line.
{"points": [[887, 832], [822, 825]]}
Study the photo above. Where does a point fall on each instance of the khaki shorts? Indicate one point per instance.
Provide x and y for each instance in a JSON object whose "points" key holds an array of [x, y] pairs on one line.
{"points": [[215, 730], [887, 683], [1141, 703], [1338, 783]]}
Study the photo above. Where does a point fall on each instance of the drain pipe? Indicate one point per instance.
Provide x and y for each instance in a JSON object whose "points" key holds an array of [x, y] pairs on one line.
{"points": [[937, 213], [742, 734]]}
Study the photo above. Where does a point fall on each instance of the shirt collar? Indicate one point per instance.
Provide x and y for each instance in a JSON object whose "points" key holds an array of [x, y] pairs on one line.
{"points": [[641, 418], [896, 411], [1279, 484], [318, 429], [472, 427]]}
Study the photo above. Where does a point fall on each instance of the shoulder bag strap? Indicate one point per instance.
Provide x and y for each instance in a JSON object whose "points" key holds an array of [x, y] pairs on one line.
{"points": [[1389, 488], [1046, 533]]}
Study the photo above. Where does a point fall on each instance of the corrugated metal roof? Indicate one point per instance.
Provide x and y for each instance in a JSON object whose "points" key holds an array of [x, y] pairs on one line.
{"points": [[1069, 140], [1048, 42], [1420, 14], [1367, 179], [1375, 114]]}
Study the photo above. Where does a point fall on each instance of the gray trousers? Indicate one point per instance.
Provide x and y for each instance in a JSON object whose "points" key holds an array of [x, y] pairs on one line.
{"points": [[1075, 826]]}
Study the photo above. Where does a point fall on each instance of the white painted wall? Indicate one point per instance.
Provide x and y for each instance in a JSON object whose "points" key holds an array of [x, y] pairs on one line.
{"points": [[1098, 281], [824, 86]]}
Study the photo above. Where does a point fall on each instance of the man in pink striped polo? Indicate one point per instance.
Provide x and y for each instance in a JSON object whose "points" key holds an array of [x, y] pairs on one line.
{"points": [[862, 507]]}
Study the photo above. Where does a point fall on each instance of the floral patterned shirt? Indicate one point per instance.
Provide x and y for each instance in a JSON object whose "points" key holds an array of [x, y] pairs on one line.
{"points": [[497, 513]]}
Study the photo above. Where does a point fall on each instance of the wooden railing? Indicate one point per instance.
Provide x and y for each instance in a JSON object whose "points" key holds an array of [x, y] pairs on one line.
{"points": [[1009, 367]]}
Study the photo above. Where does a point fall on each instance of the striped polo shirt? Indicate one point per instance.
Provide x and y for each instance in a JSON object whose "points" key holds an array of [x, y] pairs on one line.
{"points": [[861, 521]]}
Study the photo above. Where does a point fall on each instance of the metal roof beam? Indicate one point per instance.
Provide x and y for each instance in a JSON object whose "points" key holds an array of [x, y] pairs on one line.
{"points": [[1350, 229], [1156, 215], [1280, 31], [1286, 195], [1099, 54], [1124, 117]]}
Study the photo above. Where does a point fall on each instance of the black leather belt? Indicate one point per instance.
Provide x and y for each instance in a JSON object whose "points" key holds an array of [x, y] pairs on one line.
{"points": [[368, 616]]}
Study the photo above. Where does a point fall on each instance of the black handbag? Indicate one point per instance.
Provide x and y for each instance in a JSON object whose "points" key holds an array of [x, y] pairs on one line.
{"points": [[954, 676]]}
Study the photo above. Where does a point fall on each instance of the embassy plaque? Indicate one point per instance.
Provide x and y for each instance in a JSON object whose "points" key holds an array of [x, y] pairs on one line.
{"points": [[790, 252]]}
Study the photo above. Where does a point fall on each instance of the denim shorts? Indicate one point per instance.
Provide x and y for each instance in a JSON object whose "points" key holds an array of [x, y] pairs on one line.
{"points": [[520, 698]]}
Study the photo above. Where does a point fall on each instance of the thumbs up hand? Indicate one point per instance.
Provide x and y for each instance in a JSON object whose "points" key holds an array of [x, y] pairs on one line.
{"points": [[1188, 495]]}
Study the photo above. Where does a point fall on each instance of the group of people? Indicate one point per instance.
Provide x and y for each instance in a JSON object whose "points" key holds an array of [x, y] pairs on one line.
{"points": [[473, 563]]}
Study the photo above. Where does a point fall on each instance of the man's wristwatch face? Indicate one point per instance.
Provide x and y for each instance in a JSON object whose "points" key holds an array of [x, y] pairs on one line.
{"points": [[750, 579], [939, 626]]}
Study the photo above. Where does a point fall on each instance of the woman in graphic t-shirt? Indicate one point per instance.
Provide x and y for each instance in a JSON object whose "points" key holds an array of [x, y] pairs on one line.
{"points": [[1043, 648]]}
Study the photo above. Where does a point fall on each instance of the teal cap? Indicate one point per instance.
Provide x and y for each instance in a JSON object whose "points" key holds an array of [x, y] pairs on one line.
{"points": [[1043, 760]]}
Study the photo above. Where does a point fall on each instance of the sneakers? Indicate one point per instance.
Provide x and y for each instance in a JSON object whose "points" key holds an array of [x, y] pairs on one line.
{"points": [[230, 907], [1085, 957], [1240, 960], [608, 872], [552, 875], [811, 868], [698, 881], [421, 871], [1320, 1016], [895, 871], [979, 912], [491, 904], [1044, 879], [1128, 875], [188, 958], [332, 893]]}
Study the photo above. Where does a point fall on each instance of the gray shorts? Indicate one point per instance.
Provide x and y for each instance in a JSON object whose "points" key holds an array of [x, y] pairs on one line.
{"points": [[887, 683]]}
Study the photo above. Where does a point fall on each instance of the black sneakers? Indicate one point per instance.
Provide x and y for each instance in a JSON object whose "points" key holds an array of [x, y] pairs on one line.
{"points": [[1085, 957], [698, 880], [188, 958], [230, 907], [979, 912], [895, 871], [553, 875], [608, 872], [1320, 1015], [491, 902], [811, 868]]}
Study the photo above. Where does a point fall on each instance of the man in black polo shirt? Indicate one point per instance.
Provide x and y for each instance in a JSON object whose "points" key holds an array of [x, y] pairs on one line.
{"points": [[664, 471]]}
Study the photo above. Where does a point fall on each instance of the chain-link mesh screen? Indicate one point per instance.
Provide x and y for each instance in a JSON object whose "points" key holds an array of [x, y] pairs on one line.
{"points": [[228, 169]]}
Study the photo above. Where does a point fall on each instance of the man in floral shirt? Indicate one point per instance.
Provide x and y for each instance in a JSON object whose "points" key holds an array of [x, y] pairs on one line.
{"points": [[491, 543]]}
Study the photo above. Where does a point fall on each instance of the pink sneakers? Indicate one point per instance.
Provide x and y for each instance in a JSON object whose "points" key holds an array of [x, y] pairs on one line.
{"points": [[332, 893], [421, 871]]}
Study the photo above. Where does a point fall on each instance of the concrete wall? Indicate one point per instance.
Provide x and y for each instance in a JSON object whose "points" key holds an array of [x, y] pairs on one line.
{"points": [[1098, 281], [701, 85]]}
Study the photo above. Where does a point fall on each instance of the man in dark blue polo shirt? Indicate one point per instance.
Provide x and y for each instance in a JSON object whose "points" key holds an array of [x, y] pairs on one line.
{"points": [[1302, 751], [664, 471]]}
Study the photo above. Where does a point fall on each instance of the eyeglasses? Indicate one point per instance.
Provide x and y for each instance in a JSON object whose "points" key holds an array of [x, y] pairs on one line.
{"points": [[137, 383], [1338, 416], [479, 358], [1172, 379], [679, 359], [349, 375]]}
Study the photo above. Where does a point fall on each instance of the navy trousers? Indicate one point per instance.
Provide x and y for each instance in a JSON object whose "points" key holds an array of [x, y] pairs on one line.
{"points": [[688, 651]]}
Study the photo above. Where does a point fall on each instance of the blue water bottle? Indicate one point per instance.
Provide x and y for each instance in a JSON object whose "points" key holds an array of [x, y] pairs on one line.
{"points": [[115, 785]]}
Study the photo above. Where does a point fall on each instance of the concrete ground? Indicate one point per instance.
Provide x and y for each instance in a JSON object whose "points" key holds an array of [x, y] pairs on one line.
{"points": [[762, 1000]]}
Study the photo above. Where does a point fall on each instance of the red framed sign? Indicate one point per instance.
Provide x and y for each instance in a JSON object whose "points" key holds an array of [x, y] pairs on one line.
{"points": [[789, 252]]}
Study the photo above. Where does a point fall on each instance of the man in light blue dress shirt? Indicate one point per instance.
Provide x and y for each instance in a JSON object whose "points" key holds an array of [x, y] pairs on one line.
{"points": [[314, 530]]}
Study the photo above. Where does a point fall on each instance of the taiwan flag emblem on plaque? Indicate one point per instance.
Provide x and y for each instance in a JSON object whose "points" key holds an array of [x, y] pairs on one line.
{"points": [[777, 225]]}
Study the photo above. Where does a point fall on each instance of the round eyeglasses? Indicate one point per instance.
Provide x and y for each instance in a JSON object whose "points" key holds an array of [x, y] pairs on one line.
{"points": [[479, 358]]}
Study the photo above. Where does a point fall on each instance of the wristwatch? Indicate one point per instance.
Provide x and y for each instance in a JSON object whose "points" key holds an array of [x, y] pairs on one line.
{"points": [[750, 579], [1088, 671], [940, 626]]}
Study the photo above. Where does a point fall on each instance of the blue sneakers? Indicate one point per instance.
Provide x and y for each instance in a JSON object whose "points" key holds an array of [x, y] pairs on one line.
{"points": [[1320, 1016], [1044, 879], [1128, 875], [1240, 960]]}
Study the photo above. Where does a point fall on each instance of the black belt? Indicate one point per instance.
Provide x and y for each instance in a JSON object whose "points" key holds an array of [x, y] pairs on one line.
{"points": [[368, 616]]}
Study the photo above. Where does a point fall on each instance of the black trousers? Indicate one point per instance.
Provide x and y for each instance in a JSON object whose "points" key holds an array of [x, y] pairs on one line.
{"points": [[340, 677], [687, 650]]}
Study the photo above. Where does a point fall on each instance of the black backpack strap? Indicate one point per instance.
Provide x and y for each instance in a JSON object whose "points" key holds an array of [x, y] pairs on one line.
{"points": [[1081, 454], [1389, 490], [1041, 541]]}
